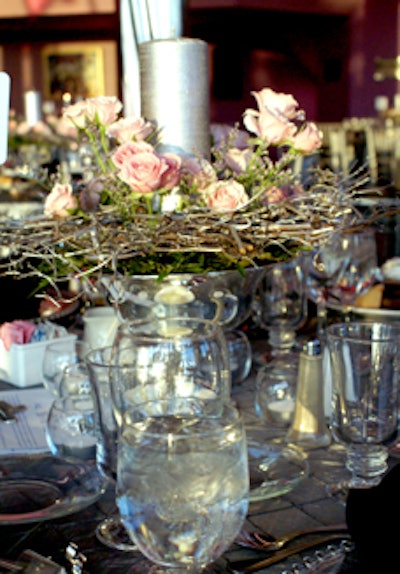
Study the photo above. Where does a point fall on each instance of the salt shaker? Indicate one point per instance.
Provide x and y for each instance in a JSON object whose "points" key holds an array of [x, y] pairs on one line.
{"points": [[309, 429]]}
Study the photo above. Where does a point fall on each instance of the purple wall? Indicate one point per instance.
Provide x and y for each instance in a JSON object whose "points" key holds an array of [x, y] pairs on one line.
{"points": [[374, 32]]}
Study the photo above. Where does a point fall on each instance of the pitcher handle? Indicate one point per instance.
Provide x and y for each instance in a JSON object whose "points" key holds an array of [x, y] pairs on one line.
{"points": [[227, 306]]}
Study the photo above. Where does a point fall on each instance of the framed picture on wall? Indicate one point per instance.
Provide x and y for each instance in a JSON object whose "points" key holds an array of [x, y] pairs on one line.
{"points": [[74, 68]]}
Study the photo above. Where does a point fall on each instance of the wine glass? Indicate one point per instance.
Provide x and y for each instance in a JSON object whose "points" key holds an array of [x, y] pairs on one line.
{"points": [[58, 356], [365, 370], [282, 309], [110, 531], [182, 482], [175, 356], [341, 270]]}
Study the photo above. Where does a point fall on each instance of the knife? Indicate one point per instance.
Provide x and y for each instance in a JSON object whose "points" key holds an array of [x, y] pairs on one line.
{"points": [[253, 565]]}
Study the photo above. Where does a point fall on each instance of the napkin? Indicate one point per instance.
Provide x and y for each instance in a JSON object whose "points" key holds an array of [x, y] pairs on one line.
{"points": [[28, 434], [372, 516], [19, 332]]}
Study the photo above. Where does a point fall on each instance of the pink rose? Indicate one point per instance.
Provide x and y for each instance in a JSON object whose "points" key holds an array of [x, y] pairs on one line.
{"points": [[274, 120], [238, 159], [143, 169], [60, 201], [278, 104], [76, 113], [65, 128], [104, 109], [226, 195], [124, 152], [172, 175], [128, 129], [307, 139], [268, 127], [17, 332]]}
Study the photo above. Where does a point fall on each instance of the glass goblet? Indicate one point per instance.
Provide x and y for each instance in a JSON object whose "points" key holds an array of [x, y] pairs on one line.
{"points": [[365, 369], [171, 357], [282, 309], [110, 531], [340, 270], [283, 303], [183, 484]]}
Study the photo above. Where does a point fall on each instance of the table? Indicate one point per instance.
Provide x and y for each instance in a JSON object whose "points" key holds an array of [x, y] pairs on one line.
{"points": [[306, 506]]}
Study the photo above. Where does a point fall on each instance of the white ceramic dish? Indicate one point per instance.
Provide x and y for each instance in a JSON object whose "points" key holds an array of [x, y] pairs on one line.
{"points": [[368, 314]]}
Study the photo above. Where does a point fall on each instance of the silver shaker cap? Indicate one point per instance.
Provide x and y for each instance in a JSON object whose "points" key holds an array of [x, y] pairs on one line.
{"points": [[312, 347]]}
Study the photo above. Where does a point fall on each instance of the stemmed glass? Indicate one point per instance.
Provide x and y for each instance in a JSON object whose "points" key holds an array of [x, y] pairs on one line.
{"points": [[365, 368], [282, 309], [340, 270], [110, 531], [183, 484]]}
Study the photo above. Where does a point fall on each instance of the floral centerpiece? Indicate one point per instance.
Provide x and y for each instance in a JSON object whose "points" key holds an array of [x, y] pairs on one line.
{"points": [[138, 211]]}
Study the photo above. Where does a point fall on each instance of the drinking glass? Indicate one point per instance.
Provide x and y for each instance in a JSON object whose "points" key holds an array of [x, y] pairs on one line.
{"points": [[58, 356], [182, 482], [70, 428], [282, 309], [341, 270], [365, 369], [283, 303], [110, 531], [171, 357], [75, 380]]}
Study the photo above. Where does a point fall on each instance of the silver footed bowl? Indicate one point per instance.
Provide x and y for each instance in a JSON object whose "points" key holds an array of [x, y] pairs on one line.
{"points": [[222, 296]]}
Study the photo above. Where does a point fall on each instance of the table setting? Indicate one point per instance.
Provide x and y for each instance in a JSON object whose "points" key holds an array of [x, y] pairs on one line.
{"points": [[298, 503], [144, 441], [159, 356]]}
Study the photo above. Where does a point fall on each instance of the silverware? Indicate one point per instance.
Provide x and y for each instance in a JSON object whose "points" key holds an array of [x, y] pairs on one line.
{"points": [[249, 565], [268, 543], [8, 411], [11, 565]]}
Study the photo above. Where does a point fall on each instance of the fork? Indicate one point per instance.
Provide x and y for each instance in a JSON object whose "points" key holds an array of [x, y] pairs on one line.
{"points": [[268, 543], [8, 411]]}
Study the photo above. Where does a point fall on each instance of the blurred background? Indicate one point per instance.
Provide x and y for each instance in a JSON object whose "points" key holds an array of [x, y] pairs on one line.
{"points": [[327, 53], [339, 58]]}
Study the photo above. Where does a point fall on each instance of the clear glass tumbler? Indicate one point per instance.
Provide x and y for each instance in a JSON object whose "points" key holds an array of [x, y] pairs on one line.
{"points": [[183, 482], [365, 366]]}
